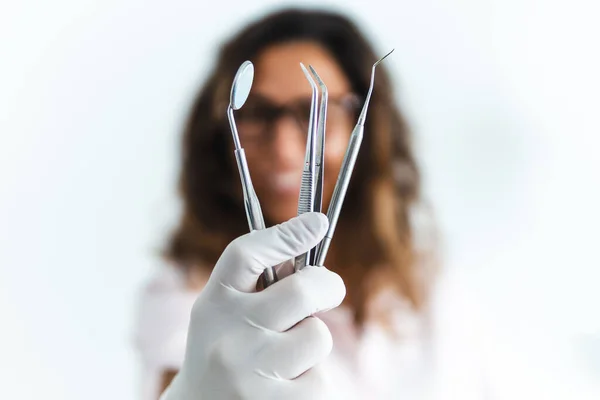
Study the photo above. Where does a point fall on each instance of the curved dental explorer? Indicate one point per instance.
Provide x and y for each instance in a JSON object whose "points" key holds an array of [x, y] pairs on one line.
{"points": [[307, 187], [343, 179], [320, 149], [240, 89]]}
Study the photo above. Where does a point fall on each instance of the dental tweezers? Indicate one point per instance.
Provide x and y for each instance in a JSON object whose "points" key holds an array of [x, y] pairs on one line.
{"points": [[320, 150], [307, 187]]}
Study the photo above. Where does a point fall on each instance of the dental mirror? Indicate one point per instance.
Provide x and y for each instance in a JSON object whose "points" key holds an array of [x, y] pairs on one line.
{"points": [[242, 83], [240, 89]]}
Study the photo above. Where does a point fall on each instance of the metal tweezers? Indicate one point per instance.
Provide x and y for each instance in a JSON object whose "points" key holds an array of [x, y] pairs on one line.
{"points": [[311, 189]]}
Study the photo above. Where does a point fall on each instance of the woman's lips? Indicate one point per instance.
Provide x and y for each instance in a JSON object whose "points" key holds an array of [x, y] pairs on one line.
{"points": [[286, 183]]}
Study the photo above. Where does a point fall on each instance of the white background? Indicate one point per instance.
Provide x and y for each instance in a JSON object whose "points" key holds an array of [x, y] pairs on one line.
{"points": [[503, 96]]}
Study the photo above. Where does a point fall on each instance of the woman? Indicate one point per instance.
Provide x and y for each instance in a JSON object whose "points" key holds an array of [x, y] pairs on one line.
{"points": [[391, 337]]}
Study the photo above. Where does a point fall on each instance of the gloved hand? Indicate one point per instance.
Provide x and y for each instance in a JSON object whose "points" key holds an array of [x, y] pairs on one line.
{"points": [[244, 344]]}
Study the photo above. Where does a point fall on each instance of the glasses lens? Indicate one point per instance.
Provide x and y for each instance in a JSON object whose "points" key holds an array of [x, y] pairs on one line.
{"points": [[341, 111], [301, 112], [254, 118]]}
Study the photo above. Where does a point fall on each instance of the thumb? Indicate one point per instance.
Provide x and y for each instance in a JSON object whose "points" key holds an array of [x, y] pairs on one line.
{"points": [[246, 257]]}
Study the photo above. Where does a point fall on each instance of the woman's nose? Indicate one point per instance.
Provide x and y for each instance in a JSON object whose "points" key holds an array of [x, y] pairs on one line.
{"points": [[287, 141]]}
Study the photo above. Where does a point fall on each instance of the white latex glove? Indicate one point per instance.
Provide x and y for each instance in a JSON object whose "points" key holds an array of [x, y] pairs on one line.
{"points": [[244, 344]]}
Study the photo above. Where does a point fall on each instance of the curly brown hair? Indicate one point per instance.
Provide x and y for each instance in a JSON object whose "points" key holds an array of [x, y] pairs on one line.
{"points": [[373, 245]]}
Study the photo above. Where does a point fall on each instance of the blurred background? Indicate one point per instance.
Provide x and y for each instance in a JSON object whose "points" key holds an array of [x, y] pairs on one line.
{"points": [[503, 97]]}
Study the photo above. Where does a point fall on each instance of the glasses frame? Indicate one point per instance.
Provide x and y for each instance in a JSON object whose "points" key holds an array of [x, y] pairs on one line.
{"points": [[349, 101]]}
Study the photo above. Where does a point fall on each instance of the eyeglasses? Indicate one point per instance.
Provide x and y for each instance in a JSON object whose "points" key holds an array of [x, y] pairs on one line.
{"points": [[259, 115]]}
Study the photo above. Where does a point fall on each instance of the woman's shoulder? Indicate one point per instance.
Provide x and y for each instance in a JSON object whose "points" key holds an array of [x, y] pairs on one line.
{"points": [[163, 308], [171, 278], [166, 298]]}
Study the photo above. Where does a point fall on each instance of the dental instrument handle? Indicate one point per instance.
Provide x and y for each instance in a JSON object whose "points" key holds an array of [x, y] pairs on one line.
{"points": [[305, 204], [339, 192], [253, 209], [251, 204]]}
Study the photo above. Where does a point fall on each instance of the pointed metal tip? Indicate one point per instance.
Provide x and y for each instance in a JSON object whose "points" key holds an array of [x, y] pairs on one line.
{"points": [[383, 58], [318, 78], [363, 114], [306, 73], [308, 76]]}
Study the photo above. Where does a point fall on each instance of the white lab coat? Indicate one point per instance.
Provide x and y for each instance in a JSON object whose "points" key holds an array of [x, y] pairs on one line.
{"points": [[444, 352]]}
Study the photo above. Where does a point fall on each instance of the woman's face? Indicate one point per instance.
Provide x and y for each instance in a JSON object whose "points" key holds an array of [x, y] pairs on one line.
{"points": [[273, 124]]}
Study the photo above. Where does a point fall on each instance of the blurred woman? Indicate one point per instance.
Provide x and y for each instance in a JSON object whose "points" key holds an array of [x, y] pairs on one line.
{"points": [[398, 333]]}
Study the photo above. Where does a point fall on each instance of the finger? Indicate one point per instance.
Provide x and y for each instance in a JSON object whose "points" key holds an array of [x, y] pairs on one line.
{"points": [[313, 384], [246, 257], [296, 351], [300, 295]]}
